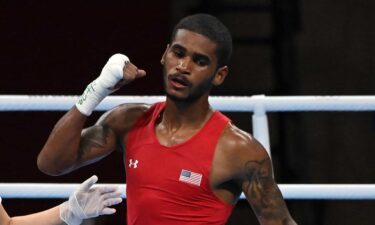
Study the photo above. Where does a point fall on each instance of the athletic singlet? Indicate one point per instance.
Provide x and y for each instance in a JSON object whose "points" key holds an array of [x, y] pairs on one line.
{"points": [[170, 185]]}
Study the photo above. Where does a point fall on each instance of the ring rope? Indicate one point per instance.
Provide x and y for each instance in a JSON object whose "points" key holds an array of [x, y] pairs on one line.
{"points": [[289, 191], [259, 104], [222, 103]]}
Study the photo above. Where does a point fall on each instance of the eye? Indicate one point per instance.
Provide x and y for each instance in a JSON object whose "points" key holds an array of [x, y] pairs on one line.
{"points": [[178, 52], [201, 61]]}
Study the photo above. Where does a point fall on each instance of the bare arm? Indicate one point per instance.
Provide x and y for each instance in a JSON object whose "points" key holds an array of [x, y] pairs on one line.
{"points": [[245, 162], [66, 149], [4, 218], [47, 217], [84, 203], [69, 146], [262, 191]]}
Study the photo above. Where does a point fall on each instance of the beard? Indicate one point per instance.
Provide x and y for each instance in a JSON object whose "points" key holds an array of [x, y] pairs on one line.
{"points": [[195, 92]]}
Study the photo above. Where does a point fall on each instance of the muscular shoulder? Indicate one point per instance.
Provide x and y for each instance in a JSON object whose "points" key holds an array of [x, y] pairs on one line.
{"points": [[238, 147], [236, 142], [121, 118], [235, 151]]}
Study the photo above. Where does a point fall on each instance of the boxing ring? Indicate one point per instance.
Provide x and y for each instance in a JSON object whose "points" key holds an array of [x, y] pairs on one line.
{"points": [[258, 105]]}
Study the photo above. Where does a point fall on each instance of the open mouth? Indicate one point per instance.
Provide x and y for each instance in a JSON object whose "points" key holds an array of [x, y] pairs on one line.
{"points": [[179, 81]]}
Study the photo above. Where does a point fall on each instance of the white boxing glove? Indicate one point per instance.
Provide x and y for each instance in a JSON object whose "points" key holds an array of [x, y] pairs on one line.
{"points": [[88, 202], [102, 86]]}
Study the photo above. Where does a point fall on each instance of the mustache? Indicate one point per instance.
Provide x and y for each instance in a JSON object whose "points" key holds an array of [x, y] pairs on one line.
{"points": [[178, 77]]}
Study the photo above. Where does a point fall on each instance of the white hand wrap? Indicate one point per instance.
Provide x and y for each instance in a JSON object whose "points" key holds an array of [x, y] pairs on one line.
{"points": [[87, 202], [100, 88]]}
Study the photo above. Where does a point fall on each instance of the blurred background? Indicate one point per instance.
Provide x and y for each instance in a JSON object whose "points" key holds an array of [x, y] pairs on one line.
{"points": [[281, 48]]}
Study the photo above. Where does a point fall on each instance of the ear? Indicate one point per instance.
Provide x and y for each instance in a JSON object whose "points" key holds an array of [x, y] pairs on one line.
{"points": [[163, 56], [220, 75]]}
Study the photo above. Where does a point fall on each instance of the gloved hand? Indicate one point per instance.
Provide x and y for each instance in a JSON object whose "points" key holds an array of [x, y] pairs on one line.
{"points": [[87, 202]]}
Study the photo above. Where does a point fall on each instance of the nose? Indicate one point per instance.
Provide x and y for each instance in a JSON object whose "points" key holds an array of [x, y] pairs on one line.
{"points": [[184, 65]]}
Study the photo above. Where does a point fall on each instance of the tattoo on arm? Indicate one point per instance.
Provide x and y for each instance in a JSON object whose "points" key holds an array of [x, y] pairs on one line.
{"points": [[95, 137], [263, 193]]}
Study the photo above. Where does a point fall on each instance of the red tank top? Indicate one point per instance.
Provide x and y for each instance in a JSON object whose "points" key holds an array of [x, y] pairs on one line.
{"points": [[170, 185]]}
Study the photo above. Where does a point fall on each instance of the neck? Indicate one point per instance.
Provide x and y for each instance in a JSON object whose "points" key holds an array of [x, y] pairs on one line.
{"points": [[186, 114]]}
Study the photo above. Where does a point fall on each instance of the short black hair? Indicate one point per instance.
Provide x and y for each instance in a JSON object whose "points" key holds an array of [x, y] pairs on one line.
{"points": [[211, 27]]}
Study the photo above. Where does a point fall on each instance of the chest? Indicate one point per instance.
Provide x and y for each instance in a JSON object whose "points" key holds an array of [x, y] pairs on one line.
{"points": [[173, 138], [162, 166]]}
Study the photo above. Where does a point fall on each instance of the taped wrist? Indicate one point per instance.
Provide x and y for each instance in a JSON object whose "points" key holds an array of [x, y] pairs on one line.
{"points": [[97, 90], [91, 97]]}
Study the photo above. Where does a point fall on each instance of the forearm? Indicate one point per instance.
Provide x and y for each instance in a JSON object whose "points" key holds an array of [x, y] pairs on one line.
{"points": [[279, 220], [264, 195], [47, 217], [269, 205], [274, 214], [4, 218], [286, 221], [61, 151], [67, 147]]}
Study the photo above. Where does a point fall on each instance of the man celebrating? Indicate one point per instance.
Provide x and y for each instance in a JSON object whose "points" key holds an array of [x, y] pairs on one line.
{"points": [[186, 163]]}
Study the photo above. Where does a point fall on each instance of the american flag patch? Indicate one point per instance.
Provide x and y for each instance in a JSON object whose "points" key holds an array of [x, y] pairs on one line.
{"points": [[190, 177]]}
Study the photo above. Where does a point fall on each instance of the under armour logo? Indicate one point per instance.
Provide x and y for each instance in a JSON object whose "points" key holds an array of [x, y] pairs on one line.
{"points": [[133, 164]]}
